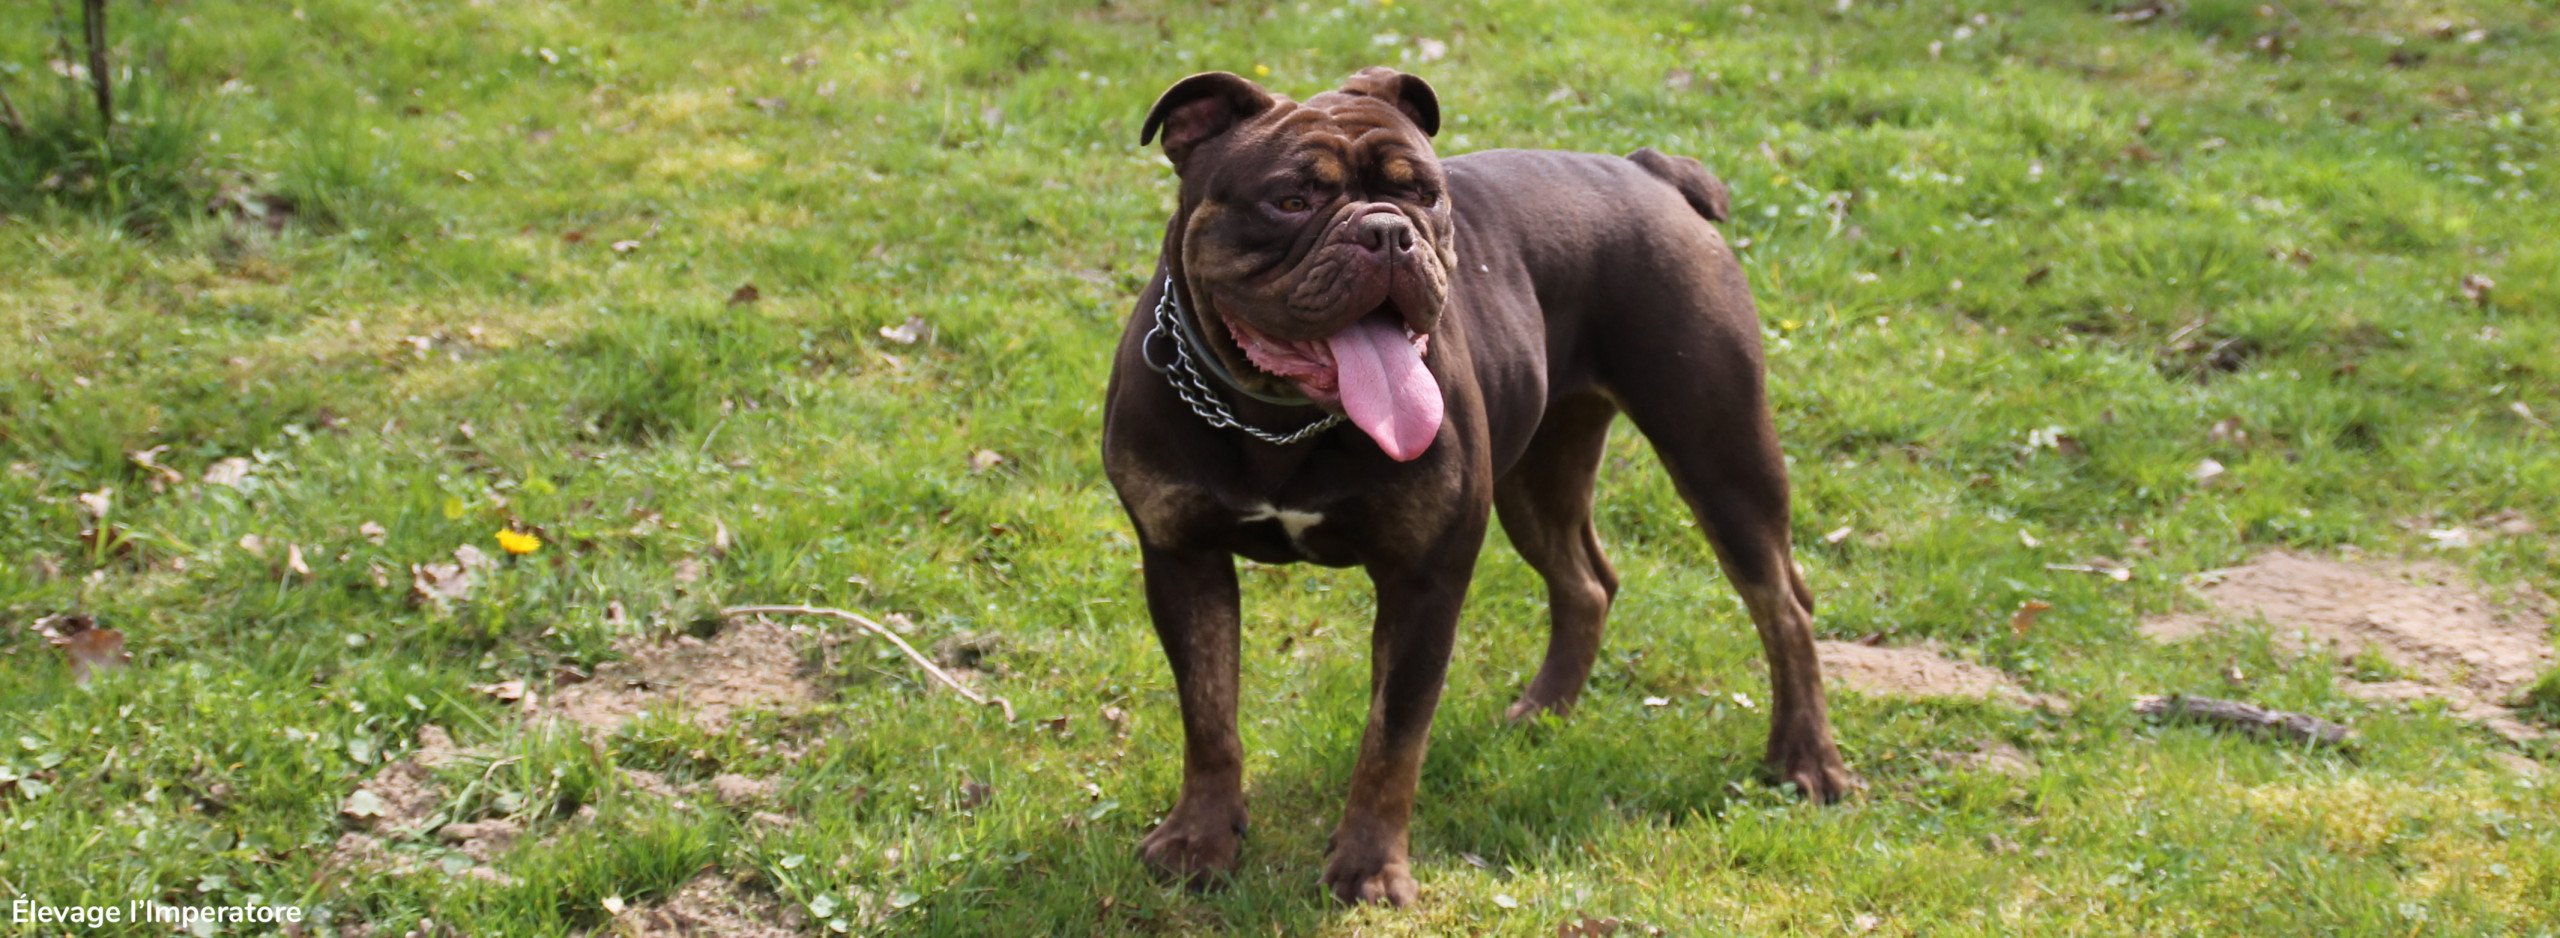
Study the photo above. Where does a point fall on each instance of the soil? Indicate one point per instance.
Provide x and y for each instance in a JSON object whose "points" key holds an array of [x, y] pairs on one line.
{"points": [[404, 801], [748, 666], [1918, 671], [1994, 757], [752, 666], [2452, 643], [711, 907]]}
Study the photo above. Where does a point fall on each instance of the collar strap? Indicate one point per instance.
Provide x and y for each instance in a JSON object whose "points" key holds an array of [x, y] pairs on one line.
{"points": [[1187, 328], [1184, 374]]}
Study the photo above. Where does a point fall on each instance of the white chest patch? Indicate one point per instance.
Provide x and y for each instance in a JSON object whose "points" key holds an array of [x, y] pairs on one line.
{"points": [[1295, 523]]}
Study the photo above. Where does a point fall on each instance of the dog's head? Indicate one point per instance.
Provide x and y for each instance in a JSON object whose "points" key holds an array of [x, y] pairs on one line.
{"points": [[1314, 240]]}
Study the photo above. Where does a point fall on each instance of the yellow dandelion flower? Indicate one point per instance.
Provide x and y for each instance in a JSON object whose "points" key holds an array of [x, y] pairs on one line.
{"points": [[518, 542], [1263, 71]]}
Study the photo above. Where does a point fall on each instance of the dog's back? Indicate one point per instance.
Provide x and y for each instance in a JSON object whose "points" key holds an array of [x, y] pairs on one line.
{"points": [[1621, 253]]}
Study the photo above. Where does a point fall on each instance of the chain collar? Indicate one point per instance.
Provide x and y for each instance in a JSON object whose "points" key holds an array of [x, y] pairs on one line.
{"points": [[1184, 374]]}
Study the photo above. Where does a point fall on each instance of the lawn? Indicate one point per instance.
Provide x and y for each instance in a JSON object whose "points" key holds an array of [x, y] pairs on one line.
{"points": [[797, 302]]}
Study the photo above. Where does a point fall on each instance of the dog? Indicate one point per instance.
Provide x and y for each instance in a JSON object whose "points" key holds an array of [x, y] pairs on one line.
{"points": [[1353, 352]]}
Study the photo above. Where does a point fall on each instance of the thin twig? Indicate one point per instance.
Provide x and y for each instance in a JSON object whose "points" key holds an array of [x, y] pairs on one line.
{"points": [[9, 119], [93, 23], [736, 612]]}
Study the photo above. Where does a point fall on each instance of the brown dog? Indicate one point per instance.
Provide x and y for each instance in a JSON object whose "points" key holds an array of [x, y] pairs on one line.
{"points": [[1479, 321]]}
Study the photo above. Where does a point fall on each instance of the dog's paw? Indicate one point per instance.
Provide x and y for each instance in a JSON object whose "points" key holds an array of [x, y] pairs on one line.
{"points": [[1530, 707], [1814, 768], [1363, 867], [1194, 846], [1356, 883]]}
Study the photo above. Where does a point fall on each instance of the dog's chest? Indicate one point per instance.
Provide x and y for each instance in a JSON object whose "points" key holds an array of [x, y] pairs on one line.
{"points": [[1272, 533]]}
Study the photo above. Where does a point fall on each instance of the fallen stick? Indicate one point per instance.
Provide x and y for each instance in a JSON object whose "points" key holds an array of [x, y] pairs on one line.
{"points": [[2247, 717], [736, 612]]}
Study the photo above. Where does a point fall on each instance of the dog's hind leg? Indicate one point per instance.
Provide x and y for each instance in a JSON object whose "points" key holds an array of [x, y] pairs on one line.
{"points": [[1545, 505], [1691, 379]]}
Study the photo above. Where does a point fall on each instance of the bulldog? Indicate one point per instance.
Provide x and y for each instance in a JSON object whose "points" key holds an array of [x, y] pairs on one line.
{"points": [[1354, 353]]}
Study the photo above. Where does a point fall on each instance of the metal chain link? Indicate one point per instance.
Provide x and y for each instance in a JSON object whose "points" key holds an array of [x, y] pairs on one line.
{"points": [[1184, 375]]}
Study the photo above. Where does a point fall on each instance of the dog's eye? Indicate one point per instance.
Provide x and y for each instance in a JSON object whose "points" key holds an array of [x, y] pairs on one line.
{"points": [[1291, 204]]}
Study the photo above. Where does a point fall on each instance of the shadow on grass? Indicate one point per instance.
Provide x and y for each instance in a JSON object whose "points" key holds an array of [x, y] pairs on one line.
{"points": [[1527, 798]]}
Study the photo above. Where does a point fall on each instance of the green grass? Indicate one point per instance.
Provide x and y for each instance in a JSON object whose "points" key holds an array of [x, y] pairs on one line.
{"points": [[1967, 233]]}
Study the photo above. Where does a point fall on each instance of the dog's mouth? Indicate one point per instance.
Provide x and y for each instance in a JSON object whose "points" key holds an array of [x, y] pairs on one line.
{"points": [[1370, 371]]}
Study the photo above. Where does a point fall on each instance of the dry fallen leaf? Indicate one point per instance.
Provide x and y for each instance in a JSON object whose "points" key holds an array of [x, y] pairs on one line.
{"points": [[504, 691], [89, 649], [362, 805], [744, 294], [1837, 535], [983, 460], [2453, 538], [2475, 288], [293, 561], [229, 471], [438, 583], [149, 460], [97, 503], [910, 332], [2025, 617], [373, 532], [2206, 470], [2102, 566]]}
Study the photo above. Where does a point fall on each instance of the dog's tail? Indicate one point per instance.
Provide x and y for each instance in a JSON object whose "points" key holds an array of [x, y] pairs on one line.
{"points": [[1704, 191]]}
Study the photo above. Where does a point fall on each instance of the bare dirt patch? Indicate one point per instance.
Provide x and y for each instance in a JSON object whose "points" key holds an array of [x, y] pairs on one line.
{"points": [[405, 802], [711, 906], [1994, 757], [2455, 645], [398, 819], [741, 792], [1919, 671], [747, 666]]}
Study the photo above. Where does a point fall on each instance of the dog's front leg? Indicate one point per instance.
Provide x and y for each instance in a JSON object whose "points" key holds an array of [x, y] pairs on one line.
{"points": [[1192, 596], [1408, 661]]}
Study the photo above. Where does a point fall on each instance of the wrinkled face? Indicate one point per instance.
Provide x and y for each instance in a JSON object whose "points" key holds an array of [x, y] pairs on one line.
{"points": [[1315, 244]]}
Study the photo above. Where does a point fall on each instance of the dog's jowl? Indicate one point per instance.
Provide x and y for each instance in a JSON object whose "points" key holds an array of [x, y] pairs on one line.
{"points": [[1356, 353]]}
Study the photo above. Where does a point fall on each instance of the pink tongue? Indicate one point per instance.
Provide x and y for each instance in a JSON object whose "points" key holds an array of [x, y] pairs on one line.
{"points": [[1385, 388]]}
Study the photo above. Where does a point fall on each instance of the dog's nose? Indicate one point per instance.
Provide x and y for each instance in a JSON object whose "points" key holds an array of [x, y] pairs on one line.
{"points": [[1383, 232]]}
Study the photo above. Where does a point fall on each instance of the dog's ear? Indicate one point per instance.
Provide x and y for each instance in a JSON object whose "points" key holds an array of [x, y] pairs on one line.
{"points": [[1201, 107], [1409, 94]]}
